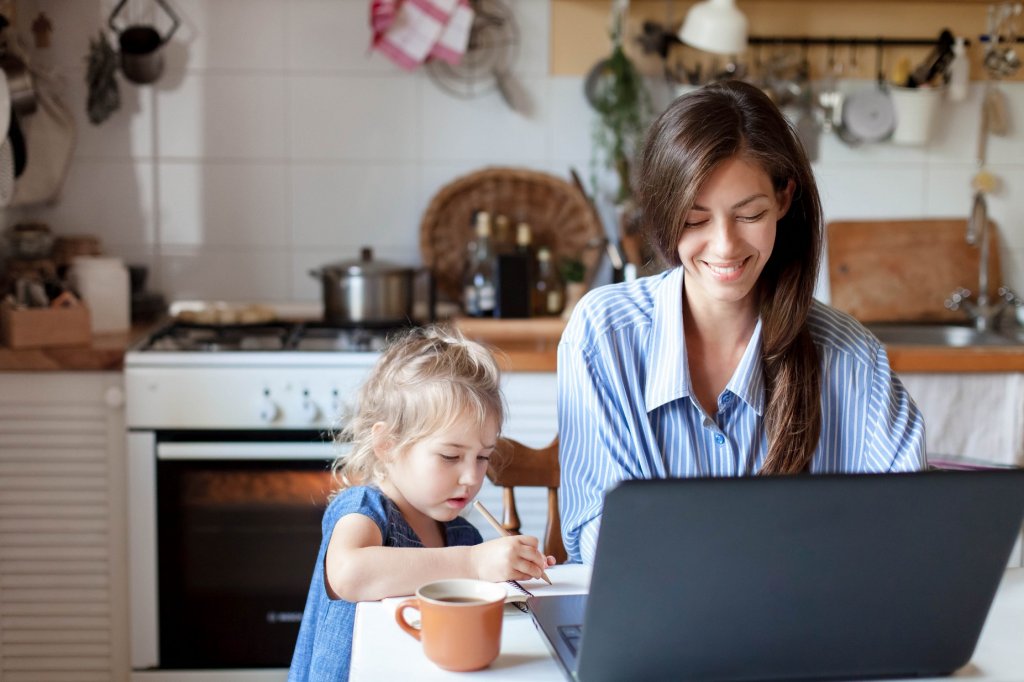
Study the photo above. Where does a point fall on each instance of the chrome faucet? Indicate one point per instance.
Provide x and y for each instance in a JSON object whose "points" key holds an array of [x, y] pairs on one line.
{"points": [[983, 314]]}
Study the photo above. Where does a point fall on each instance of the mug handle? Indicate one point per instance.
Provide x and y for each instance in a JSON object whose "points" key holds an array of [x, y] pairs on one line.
{"points": [[400, 616]]}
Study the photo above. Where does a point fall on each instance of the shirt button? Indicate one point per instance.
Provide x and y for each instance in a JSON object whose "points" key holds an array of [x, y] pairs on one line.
{"points": [[719, 439], [727, 398]]}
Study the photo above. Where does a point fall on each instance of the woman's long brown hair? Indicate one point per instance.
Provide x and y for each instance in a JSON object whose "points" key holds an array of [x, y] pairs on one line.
{"points": [[683, 147]]}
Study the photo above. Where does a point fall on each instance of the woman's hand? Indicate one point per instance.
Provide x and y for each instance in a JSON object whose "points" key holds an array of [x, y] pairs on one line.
{"points": [[514, 557]]}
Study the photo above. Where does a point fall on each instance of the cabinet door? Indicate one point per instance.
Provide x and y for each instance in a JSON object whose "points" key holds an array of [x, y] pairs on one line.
{"points": [[978, 415], [63, 565]]}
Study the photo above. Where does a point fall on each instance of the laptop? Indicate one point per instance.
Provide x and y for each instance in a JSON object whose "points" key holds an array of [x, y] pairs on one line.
{"points": [[789, 577]]}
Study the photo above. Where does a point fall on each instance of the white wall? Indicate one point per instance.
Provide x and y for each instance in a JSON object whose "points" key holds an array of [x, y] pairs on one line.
{"points": [[275, 143]]}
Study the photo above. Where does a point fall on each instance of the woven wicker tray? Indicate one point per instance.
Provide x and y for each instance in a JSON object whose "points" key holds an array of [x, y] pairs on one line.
{"points": [[559, 215]]}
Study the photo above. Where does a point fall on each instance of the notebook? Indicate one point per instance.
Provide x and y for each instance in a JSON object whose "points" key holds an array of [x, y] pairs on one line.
{"points": [[790, 577], [572, 579]]}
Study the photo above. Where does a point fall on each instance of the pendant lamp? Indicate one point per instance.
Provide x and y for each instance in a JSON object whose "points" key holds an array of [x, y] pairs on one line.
{"points": [[716, 26]]}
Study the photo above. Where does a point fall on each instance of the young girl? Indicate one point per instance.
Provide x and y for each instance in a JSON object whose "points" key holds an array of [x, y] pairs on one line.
{"points": [[724, 365], [425, 426]]}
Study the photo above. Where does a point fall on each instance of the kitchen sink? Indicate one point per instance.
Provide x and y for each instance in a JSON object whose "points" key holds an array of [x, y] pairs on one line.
{"points": [[948, 335]]}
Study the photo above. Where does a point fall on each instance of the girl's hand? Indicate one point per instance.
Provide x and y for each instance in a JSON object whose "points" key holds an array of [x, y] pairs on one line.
{"points": [[514, 557]]}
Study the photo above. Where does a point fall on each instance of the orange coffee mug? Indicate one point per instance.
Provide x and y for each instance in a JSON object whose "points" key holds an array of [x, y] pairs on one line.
{"points": [[460, 622]]}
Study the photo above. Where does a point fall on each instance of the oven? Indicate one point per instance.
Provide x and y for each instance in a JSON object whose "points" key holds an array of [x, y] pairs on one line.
{"points": [[229, 450]]}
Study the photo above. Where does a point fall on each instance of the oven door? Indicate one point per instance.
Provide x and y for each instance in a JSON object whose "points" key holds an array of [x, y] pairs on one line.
{"points": [[236, 524]]}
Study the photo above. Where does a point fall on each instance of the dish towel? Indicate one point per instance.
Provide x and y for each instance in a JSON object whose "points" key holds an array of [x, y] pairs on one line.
{"points": [[975, 415], [409, 32]]}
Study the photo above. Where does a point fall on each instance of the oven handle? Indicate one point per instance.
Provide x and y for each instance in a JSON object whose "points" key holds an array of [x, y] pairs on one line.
{"points": [[251, 451]]}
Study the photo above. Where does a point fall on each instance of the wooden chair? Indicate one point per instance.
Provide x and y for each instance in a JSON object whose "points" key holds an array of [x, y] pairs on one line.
{"points": [[519, 465]]}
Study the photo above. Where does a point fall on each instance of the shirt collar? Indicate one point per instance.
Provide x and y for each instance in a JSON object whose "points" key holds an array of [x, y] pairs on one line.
{"points": [[747, 381], [668, 376]]}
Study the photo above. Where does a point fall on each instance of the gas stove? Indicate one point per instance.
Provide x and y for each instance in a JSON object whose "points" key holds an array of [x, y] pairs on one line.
{"points": [[283, 375], [277, 336]]}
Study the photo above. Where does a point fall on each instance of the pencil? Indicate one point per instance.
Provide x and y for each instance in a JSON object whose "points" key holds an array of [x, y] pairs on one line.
{"points": [[501, 529]]}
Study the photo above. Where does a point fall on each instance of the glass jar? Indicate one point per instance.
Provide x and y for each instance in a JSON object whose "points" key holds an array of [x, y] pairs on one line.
{"points": [[103, 285]]}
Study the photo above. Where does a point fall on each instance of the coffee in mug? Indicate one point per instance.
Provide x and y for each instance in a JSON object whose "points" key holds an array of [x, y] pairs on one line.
{"points": [[460, 622]]}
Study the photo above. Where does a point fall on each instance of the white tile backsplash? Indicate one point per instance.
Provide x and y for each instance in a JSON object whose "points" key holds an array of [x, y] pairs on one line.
{"points": [[223, 116], [231, 34], [485, 129], [276, 142], [332, 35], [223, 204], [571, 119], [871, 191], [354, 117], [948, 190], [340, 205], [226, 273], [112, 199]]}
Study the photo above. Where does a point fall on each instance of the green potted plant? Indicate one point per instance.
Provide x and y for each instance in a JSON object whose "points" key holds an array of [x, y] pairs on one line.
{"points": [[573, 272], [615, 90]]}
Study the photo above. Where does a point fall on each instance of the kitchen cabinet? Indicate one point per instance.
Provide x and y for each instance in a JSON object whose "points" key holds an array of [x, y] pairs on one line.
{"points": [[63, 566], [971, 414]]}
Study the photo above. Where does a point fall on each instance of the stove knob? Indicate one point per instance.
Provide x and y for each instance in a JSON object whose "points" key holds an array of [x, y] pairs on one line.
{"points": [[308, 410], [335, 402], [269, 411]]}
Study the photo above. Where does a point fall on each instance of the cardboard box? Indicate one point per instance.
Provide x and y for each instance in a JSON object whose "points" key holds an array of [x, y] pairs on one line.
{"points": [[42, 327]]}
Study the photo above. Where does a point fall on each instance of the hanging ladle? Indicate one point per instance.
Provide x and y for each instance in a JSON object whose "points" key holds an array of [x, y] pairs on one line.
{"points": [[141, 60]]}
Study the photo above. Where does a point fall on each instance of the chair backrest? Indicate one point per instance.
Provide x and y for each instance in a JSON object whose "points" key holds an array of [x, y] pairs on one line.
{"points": [[520, 465]]}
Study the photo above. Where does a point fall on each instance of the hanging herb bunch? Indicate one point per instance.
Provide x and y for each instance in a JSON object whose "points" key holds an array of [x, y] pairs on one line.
{"points": [[616, 92]]}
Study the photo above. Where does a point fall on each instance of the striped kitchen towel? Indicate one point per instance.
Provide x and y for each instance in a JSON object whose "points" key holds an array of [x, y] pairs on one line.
{"points": [[410, 31]]}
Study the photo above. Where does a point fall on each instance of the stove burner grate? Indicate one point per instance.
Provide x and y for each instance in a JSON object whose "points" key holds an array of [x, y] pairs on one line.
{"points": [[281, 336]]}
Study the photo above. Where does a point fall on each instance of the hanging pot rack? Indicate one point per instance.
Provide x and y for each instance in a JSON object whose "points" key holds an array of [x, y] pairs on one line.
{"points": [[845, 41]]}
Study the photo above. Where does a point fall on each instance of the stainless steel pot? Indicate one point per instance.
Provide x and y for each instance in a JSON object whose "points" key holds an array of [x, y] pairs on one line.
{"points": [[366, 292]]}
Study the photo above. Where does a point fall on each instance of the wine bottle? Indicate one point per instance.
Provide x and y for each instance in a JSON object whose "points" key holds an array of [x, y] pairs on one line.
{"points": [[548, 289], [480, 279]]}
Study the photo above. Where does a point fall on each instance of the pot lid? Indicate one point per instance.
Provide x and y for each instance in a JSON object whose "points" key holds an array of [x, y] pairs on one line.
{"points": [[366, 266], [869, 115]]}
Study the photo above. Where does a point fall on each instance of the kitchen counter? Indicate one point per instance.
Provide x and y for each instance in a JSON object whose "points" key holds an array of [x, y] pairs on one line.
{"points": [[104, 354], [521, 345], [531, 345]]}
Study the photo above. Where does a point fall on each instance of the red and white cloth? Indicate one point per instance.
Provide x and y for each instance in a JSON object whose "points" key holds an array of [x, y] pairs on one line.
{"points": [[411, 31]]}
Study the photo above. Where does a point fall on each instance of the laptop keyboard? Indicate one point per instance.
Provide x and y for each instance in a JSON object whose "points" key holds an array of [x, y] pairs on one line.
{"points": [[571, 635]]}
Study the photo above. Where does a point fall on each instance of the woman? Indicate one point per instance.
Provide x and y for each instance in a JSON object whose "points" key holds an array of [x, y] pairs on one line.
{"points": [[724, 365]]}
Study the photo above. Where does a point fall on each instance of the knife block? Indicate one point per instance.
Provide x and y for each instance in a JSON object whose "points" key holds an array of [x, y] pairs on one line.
{"points": [[43, 327]]}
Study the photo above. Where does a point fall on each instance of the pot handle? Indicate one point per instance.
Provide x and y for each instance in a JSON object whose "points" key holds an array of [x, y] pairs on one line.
{"points": [[175, 21]]}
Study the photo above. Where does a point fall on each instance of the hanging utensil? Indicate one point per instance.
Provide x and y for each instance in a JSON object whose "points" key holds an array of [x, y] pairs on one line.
{"points": [[20, 86], [868, 115], [104, 97], [141, 59], [18, 150], [486, 66]]}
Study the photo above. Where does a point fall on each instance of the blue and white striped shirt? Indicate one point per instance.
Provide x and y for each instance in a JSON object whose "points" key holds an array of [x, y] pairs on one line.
{"points": [[626, 408]]}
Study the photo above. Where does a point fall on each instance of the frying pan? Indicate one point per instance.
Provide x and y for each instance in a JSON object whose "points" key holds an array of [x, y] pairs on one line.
{"points": [[868, 114]]}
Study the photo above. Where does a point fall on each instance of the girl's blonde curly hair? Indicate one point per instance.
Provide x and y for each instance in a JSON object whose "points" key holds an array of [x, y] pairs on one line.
{"points": [[425, 381]]}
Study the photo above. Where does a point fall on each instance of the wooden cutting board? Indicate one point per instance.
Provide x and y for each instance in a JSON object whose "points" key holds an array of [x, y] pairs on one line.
{"points": [[904, 270]]}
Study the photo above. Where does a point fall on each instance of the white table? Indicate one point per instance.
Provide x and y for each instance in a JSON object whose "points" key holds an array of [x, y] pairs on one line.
{"points": [[381, 651]]}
